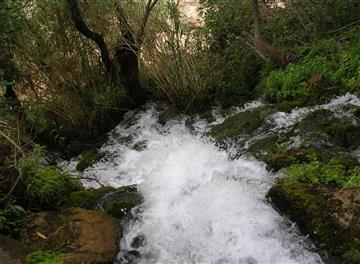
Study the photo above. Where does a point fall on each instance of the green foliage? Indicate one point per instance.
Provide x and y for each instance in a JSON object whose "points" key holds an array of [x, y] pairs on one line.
{"points": [[335, 70], [45, 257], [11, 220], [45, 185], [333, 173], [234, 66], [353, 254], [49, 185]]}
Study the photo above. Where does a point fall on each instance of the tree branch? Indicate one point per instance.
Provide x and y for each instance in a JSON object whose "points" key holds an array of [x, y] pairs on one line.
{"points": [[141, 35], [94, 36]]}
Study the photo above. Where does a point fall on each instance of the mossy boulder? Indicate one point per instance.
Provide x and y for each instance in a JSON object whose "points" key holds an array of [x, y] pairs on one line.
{"points": [[87, 199], [120, 202], [139, 146], [286, 157], [348, 135], [330, 216], [84, 236], [167, 115], [89, 158], [328, 134], [243, 123], [115, 202]]}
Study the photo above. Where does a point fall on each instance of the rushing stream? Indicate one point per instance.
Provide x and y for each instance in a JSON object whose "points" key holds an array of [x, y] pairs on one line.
{"points": [[199, 206]]}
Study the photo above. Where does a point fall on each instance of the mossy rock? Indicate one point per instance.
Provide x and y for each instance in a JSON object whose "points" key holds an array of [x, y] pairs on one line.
{"points": [[87, 199], [168, 115], [139, 146], [288, 106], [321, 120], [120, 202], [330, 216], [286, 157], [243, 123], [208, 116], [348, 135], [115, 202], [89, 158]]}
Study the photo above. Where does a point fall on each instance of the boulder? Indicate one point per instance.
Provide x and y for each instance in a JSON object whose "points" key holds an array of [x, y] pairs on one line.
{"points": [[329, 215], [241, 124], [120, 202], [115, 202], [89, 158], [85, 236]]}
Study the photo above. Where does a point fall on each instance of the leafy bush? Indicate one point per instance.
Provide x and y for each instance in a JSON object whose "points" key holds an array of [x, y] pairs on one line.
{"points": [[45, 185], [11, 220], [45, 257], [353, 254], [333, 173], [337, 67], [48, 186]]}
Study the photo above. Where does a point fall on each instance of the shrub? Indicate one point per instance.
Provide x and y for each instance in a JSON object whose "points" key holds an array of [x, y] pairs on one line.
{"points": [[333, 173], [45, 257], [11, 220], [337, 68], [48, 186]]}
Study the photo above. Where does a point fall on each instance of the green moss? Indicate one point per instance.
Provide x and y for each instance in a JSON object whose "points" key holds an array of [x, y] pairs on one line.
{"points": [[45, 257], [115, 202], [167, 115], [208, 116], [287, 157], [308, 206], [348, 135], [89, 158], [352, 255], [288, 106], [241, 123], [87, 199], [120, 202]]}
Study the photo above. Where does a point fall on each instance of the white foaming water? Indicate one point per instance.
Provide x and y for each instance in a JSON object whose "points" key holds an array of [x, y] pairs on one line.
{"points": [[199, 206], [283, 121]]}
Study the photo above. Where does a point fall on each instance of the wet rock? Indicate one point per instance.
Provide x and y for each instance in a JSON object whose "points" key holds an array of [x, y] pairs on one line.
{"points": [[128, 256], [87, 199], [12, 251], [139, 146], [243, 123], [321, 120], [264, 146], [138, 241], [120, 202], [286, 157], [115, 202], [84, 236], [89, 158], [167, 115], [331, 216]]}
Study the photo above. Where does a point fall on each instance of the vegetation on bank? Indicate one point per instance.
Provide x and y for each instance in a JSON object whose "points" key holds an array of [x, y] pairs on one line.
{"points": [[69, 70]]}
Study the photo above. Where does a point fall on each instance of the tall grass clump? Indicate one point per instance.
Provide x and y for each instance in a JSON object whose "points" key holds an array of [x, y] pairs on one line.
{"points": [[176, 59]]}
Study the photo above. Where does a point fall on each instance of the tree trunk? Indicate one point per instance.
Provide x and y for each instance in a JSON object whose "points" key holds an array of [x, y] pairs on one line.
{"points": [[123, 69], [264, 49]]}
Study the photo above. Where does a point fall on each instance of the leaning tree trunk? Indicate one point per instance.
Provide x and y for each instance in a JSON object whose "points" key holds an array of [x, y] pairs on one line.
{"points": [[123, 69], [265, 50]]}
